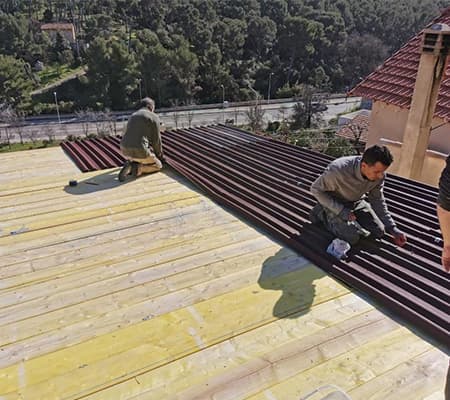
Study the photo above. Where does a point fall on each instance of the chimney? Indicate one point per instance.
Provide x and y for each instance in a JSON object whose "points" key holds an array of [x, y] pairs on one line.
{"points": [[433, 61]]}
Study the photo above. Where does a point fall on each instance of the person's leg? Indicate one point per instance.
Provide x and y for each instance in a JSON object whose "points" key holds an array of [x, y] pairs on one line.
{"points": [[367, 218], [316, 215], [344, 230], [337, 226], [447, 384], [127, 165], [125, 171], [146, 165]]}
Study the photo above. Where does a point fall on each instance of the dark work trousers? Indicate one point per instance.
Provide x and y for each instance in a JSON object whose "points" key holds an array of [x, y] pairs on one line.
{"points": [[367, 224]]}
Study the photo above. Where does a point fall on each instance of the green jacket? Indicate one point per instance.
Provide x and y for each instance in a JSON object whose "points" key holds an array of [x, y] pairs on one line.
{"points": [[142, 131]]}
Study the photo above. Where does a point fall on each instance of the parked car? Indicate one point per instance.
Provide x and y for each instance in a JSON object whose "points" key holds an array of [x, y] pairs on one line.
{"points": [[318, 107]]}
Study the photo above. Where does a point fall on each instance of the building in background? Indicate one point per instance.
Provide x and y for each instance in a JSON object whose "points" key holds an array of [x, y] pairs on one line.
{"points": [[66, 30], [391, 88]]}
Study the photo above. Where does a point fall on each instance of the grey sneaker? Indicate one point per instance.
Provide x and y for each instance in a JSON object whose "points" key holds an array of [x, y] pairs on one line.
{"points": [[126, 169]]}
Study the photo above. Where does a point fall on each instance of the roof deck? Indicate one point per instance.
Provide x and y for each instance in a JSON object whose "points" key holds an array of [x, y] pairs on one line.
{"points": [[150, 290]]}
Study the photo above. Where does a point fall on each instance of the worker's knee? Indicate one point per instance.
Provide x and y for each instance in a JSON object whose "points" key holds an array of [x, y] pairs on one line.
{"points": [[343, 230], [352, 238]]}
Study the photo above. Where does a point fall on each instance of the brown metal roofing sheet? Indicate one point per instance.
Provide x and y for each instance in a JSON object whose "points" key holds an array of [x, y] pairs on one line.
{"points": [[268, 182]]}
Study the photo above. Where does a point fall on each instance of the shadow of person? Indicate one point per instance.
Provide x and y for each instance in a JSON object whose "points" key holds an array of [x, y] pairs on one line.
{"points": [[294, 277], [105, 181]]}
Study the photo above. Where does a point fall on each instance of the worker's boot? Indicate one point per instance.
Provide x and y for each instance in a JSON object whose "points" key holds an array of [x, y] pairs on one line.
{"points": [[135, 169], [126, 169], [317, 215]]}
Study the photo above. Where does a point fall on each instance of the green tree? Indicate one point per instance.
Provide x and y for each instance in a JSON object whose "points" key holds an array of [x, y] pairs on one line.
{"points": [[327, 60], [276, 10], [153, 64], [169, 73], [239, 9], [22, 38], [112, 73], [183, 66], [15, 84], [10, 6], [152, 13], [230, 34], [297, 43], [98, 25], [261, 35], [363, 53], [48, 15], [203, 44], [255, 117], [61, 51], [304, 115], [13, 34], [343, 8], [337, 146], [394, 22], [213, 74]]}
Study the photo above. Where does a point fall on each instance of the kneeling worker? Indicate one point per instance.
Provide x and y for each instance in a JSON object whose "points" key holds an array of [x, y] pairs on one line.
{"points": [[141, 143], [350, 197]]}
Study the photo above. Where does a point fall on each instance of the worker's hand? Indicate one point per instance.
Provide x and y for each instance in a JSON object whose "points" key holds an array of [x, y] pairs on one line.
{"points": [[347, 215], [446, 258], [399, 237]]}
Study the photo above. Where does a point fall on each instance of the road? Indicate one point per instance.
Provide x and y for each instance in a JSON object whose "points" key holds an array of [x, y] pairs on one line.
{"points": [[42, 129], [272, 112]]}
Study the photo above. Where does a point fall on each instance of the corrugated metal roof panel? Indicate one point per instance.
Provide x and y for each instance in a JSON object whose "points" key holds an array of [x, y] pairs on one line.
{"points": [[268, 182]]}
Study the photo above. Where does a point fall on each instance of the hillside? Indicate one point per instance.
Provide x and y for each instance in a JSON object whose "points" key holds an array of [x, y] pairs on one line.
{"points": [[185, 52]]}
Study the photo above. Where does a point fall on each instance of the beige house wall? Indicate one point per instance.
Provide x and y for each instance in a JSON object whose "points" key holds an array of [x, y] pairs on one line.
{"points": [[432, 168], [387, 123]]}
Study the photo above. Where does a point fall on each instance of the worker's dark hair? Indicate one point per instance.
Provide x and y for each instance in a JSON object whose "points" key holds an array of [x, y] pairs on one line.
{"points": [[147, 102], [377, 153]]}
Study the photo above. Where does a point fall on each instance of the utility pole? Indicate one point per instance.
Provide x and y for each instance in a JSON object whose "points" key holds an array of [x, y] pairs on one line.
{"points": [[255, 92], [57, 107], [268, 90], [223, 103]]}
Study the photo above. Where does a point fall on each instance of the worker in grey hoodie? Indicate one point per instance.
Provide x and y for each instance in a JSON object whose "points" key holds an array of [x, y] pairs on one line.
{"points": [[350, 197]]}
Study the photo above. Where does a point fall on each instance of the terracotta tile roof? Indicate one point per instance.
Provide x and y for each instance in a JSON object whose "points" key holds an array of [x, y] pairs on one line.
{"points": [[393, 82], [268, 182], [359, 125]]}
